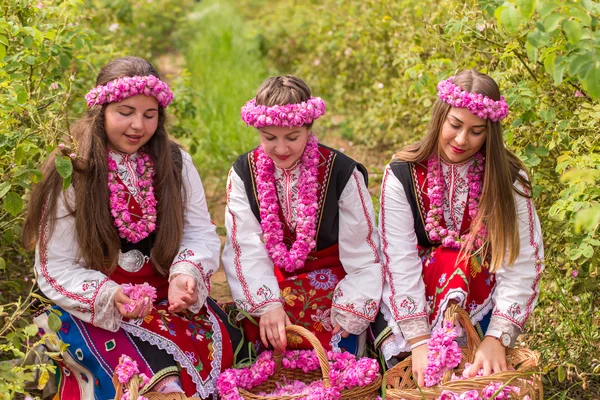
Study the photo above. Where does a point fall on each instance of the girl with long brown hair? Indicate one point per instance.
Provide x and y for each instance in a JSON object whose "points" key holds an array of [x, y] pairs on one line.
{"points": [[458, 225], [135, 215]]}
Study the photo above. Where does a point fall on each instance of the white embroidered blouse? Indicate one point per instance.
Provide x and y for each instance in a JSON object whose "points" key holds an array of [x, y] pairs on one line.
{"points": [[517, 286], [249, 267], [88, 294]]}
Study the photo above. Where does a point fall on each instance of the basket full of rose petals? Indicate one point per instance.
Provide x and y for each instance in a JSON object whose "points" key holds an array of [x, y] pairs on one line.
{"points": [[446, 372], [303, 374]]}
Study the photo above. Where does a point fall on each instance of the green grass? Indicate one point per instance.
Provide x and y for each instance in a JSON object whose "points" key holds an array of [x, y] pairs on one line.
{"points": [[226, 69]]}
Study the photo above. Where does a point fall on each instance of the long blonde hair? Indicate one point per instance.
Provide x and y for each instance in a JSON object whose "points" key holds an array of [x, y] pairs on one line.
{"points": [[497, 207], [99, 243]]}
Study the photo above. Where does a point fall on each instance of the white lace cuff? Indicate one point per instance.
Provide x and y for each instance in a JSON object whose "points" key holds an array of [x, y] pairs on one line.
{"points": [[499, 324], [264, 309], [414, 327], [349, 322], [201, 289], [106, 313]]}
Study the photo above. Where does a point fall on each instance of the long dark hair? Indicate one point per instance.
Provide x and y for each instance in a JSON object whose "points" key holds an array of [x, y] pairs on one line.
{"points": [[99, 243], [497, 207]]}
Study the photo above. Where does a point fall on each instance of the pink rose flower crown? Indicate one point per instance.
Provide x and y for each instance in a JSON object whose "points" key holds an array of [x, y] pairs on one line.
{"points": [[127, 86], [480, 105]]}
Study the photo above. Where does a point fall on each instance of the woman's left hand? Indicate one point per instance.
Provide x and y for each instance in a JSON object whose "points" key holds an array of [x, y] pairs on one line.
{"points": [[337, 328], [182, 293], [491, 356]]}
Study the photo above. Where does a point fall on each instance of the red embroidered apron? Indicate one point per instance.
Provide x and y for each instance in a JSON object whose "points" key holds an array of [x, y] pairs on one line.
{"points": [[468, 281]]}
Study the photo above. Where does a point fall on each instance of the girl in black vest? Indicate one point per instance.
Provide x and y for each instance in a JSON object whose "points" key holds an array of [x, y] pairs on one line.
{"points": [[458, 225], [302, 247]]}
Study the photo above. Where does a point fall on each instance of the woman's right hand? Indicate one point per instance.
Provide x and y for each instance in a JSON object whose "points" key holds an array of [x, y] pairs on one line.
{"points": [[272, 328], [419, 363], [141, 311]]}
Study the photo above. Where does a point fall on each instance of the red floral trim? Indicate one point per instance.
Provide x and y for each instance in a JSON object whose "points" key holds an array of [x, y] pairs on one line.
{"points": [[238, 251], [353, 311], [368, 218], [538, 270], [51, 281], [94, 299], [386, 263]]}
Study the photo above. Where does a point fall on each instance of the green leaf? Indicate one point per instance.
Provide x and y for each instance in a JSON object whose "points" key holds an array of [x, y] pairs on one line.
{"points": [[532, 52], [508, 17], [64, 166], [4, 188], [64, 61], [13, 203], [573, 30], [549, 63], [4, 40], [552, 21], [592, 82], [22, 97], [559, 70], [561, 373], [30, 60], [2, 264], [54, 323], [534, 38], [526, 7], [2, 52], [30, 330], [580, 65], [67, 182], [545, 7]]}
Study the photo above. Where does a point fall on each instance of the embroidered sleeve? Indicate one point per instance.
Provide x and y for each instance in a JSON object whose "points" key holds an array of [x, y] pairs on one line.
{"points": [[250, 271], [83, 292], [356, 297], [404, 289], [517, 286], [200, 246]]}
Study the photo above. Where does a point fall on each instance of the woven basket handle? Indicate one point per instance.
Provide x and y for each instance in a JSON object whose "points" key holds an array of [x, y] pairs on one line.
{"points": [[132, 386], [312, 339], [456, 314]]}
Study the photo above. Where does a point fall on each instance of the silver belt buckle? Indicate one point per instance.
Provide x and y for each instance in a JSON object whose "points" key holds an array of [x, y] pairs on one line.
{"points": [[132, 261]]}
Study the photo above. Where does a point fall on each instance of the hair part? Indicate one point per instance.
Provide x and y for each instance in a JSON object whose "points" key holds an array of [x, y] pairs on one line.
{"points": [[281, 90], [99, 242], [497, 206]]}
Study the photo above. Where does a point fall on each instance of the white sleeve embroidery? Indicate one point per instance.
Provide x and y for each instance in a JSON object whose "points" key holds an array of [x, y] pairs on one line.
{"points": [[404, 289], [83, 292], [356, 297], [517, 286], [249, 269], [200, 245]]}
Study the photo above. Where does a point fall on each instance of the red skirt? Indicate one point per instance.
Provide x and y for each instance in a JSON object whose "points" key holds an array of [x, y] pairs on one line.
{"points": [[307, 295]]}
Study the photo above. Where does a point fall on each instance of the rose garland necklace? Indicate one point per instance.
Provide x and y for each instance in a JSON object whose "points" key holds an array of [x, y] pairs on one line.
{"points": [[133, 231], [437, 186], [270, 223]]}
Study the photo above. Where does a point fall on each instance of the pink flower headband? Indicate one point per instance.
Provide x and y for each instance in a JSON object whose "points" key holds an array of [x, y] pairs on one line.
{"points": [[127, 86], [478, 104], [288, 115]]}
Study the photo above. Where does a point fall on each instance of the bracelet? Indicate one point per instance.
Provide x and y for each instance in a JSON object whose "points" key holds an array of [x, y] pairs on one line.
{"points": [[419, 343]]}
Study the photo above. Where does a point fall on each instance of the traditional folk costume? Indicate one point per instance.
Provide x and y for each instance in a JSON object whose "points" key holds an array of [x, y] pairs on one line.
{"points": [[340, 278], [423, 272], [197, 340]]}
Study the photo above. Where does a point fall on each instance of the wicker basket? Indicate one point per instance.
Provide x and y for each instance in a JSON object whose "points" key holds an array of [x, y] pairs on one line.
{"points": [[368, 392], [400, 385], [132, 386]]}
